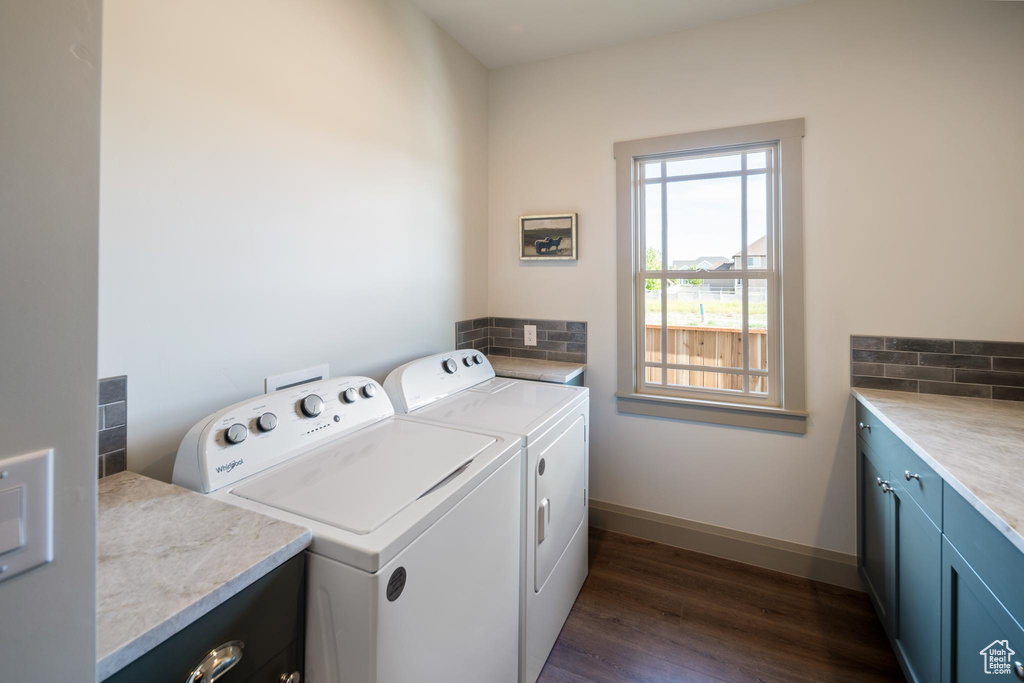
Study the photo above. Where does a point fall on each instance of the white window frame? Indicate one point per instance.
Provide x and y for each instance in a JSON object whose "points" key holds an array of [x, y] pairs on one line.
{"points": [[783, 408]]}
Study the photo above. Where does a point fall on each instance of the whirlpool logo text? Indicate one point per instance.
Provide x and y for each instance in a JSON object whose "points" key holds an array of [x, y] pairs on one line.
{"points": [[228, 466]]}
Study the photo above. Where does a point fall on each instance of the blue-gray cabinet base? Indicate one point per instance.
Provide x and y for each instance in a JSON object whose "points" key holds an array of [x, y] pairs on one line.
{"points": [[947, 585], [268, 617]]}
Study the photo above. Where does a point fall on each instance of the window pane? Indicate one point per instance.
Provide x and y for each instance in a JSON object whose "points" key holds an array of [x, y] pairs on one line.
{"points": [[704, 227], [705, 380], [653, 375], [705, 322], [652, 333], [695, 165], [652, 226], [756, 160], [652, 169], [757, 221], [757, 301]]}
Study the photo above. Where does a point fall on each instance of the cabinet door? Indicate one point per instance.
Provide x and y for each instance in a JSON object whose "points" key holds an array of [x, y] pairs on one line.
{"points": [[873, 531], [979, 636], [916, 578]]}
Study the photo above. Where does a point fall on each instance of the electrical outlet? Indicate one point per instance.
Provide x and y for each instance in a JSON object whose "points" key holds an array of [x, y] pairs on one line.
{"points": [[530, 335]]}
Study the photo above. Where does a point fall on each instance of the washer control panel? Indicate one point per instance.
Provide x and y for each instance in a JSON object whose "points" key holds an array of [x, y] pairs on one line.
{"points": [[432, 378], [254, 435]]}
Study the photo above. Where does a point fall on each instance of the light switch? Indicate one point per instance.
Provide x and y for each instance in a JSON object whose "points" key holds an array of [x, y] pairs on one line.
{"points": [[26, 512], [12, 519]]}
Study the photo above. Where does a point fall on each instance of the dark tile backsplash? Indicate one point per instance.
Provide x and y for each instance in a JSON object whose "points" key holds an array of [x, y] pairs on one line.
{"points": [[952, 367], [561, 340], [112, 425]]}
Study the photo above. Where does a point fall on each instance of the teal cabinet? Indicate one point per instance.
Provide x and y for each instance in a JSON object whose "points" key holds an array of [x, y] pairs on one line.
{"points": [[983, 637], [873, 531], [948, 585], [268, 619], [899, 557], [916, 579]]}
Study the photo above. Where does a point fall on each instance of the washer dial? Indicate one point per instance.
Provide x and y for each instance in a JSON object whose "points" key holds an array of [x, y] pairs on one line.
{"points": [[236, 433], [349, 395], [449, 365], [368, 390], [266, 422], [311, 405]]}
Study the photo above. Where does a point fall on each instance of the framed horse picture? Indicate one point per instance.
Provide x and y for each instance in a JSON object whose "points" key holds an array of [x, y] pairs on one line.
{"points": [[550, 237]]}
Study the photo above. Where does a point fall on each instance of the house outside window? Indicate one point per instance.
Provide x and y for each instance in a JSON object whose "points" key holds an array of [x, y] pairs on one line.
{"points": [[710, 296]]}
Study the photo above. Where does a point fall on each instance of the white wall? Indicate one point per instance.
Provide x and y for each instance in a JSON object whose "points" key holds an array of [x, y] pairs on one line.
{"points": [[283, 184], [914, 221], [49, 203]]}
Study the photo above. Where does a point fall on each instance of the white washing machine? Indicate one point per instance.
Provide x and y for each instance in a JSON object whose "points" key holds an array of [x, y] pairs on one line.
{"points": [[413, 569], [460, 389]]}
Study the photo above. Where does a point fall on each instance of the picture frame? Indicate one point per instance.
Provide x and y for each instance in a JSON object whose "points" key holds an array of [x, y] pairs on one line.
{"points": [[549, 237]]}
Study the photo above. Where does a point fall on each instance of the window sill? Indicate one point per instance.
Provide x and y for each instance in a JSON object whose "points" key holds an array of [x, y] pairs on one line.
{"points": [[714, 412]]}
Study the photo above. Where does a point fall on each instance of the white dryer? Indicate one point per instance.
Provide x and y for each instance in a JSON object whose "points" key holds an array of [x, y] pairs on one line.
{"points": [[460, 389], [413, 569]]}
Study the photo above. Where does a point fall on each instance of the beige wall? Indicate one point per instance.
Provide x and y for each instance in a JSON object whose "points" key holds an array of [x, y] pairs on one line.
{"points": [[914, 221], [49, 204], [283, 184]]}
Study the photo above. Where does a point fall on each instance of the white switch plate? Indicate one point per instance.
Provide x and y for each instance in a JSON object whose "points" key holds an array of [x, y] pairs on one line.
{"points": [[296, 377], [31, 476], [530, 335]]}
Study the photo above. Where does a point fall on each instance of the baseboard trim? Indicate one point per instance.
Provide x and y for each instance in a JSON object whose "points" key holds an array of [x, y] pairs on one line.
{"points": [[819, 564]]}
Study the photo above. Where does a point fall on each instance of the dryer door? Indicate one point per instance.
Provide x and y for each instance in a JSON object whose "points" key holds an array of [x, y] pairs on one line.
{"points": [[559, 472]]}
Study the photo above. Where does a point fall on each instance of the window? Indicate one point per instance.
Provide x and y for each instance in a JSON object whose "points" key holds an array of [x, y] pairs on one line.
{"points": [[710, 276]]}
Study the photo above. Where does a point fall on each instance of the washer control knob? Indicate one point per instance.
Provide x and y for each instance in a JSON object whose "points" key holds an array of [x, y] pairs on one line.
{"points": [[349, 395], [449, 365], [266, 422], [369, 390], [236, 433], [311, 405], [468, 361], [477, 358]]}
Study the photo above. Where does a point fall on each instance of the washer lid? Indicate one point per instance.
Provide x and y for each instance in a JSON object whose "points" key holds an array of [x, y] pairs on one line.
{"points": [[360, 481]]}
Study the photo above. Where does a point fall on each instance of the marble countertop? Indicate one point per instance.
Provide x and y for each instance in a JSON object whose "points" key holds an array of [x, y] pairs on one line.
{"points": [[975, 444], [541, 370], [166, 556]]}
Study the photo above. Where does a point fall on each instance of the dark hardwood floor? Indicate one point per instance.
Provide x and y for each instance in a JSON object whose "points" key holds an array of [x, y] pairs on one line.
{"points": [[651, 612]]}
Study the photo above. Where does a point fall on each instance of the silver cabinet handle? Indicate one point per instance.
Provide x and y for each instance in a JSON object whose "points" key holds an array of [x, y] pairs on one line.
{"points": [[863, 426], [881, 482], [886, 488], [293, 677], [217, 662], [910, 476], [1018, 670], [878, 481]]}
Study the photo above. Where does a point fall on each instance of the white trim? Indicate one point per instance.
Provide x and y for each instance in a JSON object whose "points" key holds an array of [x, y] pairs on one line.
{"points": [[818, 564]]}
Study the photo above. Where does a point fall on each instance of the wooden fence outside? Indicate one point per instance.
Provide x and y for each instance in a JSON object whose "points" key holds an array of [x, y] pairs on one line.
{"points": [[708, 347]]}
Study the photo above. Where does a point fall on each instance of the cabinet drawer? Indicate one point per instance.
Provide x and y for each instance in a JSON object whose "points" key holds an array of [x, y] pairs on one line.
{"points": [[996, 560], [900, 461], [919, 480], [268, 617], [875, 434]]}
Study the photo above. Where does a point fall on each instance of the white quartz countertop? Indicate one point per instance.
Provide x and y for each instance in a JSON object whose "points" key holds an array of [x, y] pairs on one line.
{"points": [[166, 556], [541, 370], [975, 444]]}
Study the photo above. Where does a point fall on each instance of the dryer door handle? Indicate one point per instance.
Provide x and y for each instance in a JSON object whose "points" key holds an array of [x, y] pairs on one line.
{"points": [[543, 519]]}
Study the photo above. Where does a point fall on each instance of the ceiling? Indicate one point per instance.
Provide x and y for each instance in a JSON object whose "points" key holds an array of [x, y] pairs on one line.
{"points": [[505, 32]]}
